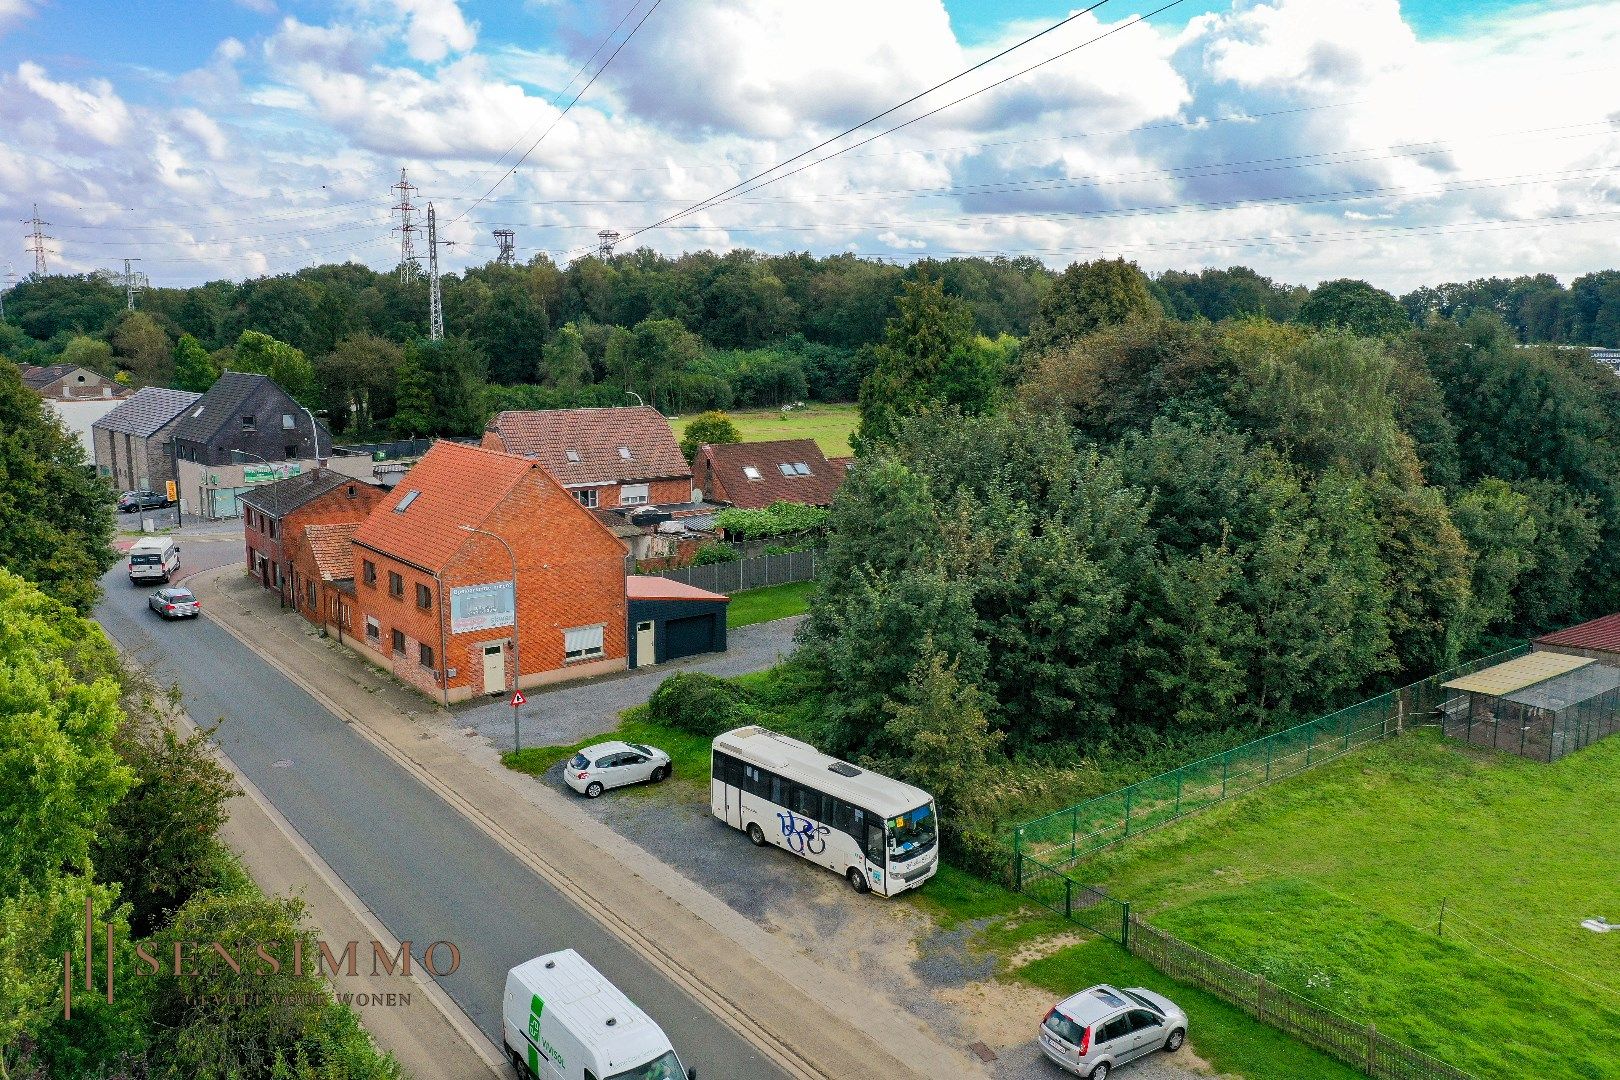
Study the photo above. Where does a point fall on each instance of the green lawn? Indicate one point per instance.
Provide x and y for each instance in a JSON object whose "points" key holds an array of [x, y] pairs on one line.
{"points": [[768, 604], [688, 754], [1331, 884], [830, 425]]}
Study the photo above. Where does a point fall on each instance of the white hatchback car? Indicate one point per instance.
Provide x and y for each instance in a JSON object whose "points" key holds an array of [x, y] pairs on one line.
{"points": [[614, 764]]}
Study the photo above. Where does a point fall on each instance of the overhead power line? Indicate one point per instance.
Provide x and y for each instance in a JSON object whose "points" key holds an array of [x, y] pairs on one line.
{"points": [[739, 189]]}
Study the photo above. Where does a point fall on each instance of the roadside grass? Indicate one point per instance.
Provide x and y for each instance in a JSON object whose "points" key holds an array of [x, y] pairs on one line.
{"points": [[768, 604], [1331, 884], [688, 754], [830, 425], [1225, 1036]]}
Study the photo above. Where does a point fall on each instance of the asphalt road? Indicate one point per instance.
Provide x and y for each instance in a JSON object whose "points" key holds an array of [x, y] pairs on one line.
{"points": [[428, 873]]}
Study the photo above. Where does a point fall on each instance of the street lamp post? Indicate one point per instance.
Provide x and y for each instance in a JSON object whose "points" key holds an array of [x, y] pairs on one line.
{"points": [[315, 433], [517, 658], [632, 393]]}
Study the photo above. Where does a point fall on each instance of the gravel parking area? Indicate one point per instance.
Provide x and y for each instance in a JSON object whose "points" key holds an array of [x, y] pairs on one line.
{"points": [[934, 974], [573, 712]]}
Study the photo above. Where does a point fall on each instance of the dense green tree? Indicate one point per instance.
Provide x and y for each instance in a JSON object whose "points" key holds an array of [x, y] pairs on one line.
{"points": [[1554, 591], [291, 370], [1088, 297], [1499, 527], [930, 329], [511, 329], [56, 515], [1234, 293], [89, 352], [710, 427], [439, 388], [1355, 306], [193, 368], [1428, 571], [356, 382], [45, 306], [564, 363], [141, 348]]}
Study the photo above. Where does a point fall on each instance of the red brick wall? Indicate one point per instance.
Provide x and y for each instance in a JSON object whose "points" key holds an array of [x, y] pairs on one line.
{"points": [[257, 539], [570, 574], [658, 491]]}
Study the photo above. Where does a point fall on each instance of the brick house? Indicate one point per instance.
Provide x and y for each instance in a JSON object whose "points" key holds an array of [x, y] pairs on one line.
{"points": [[69, 382], [322, 577], [436, 604], [275, 514], [755, 475], [132, 441], [604, 458]]}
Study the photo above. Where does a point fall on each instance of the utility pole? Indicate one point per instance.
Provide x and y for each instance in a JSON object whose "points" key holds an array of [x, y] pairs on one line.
{"points": [[407, 227], [133, 283], [36, 240], [605, 240], [503, 237], [6, 283], [435, 309]]}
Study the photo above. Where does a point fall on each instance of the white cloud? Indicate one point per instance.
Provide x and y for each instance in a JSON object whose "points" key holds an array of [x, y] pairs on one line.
{"points": [[95, 109], [435, 28], [13, 12]]}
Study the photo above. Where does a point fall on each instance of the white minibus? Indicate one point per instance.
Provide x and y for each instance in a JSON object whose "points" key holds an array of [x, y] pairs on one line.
{"points": [[879, 834], [562, 1020]]}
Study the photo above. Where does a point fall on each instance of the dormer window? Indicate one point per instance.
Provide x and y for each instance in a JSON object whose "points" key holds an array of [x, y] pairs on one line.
{"points": [[750, 472], [573, 456]]}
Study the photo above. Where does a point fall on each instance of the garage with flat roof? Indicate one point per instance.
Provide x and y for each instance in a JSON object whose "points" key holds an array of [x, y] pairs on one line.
{"points": [[670, 620]]}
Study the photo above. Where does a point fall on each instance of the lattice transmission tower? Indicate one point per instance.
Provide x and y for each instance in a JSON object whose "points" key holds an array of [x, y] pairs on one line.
{"points": [[406, 228], [134, 281], [435, 308], [604, 243], [503, 237], [36, 240]]}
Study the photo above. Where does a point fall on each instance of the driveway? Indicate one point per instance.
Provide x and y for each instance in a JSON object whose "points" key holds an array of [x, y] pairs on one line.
{"points": [[570, 713]]}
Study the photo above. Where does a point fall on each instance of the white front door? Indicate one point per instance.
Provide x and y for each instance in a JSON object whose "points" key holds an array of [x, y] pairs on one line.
{"points": [[494, 669], [646, 655]]}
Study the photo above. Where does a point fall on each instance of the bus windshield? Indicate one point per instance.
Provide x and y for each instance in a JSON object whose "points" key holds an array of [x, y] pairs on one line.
{"points": [[664, 1067], [912, 833]]}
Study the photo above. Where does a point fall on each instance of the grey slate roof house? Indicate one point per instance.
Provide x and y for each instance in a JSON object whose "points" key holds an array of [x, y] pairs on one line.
{"points": [[249, 413], [131, 443]]}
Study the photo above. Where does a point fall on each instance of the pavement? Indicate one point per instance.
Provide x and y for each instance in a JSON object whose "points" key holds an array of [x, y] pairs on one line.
{"points": [[561, 715], [442, 845]]}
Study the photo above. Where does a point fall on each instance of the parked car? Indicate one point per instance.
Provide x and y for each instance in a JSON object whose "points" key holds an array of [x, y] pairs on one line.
{"points": [[175, 602], [132, 501], [614, 764], [1100, 1029]]}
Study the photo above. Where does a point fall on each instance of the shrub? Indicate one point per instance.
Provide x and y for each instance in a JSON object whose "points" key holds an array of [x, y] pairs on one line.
{"points": [[715, 553], [701, 704]]}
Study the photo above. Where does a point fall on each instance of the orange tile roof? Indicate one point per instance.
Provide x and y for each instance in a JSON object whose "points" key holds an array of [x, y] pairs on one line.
{"points": [[330, 545], [455, 485], [766, 458], [643, 587], [595, 436]]}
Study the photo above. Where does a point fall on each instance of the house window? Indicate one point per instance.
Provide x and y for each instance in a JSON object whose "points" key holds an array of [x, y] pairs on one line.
{"points": [[787, 470], [801, 469], [399, 643], [424, 596], [287, 421], [291, 451], [582, 642], [373, 631], [368, 572], [586, 497], [396, 584], [632, 494], [248, 427], [424, 655], [573, 456], [624, 452], [309, 595], [750, 472]]}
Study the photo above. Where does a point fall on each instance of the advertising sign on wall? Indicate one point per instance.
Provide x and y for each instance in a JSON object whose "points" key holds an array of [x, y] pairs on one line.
{"points": [[264, 474], [481, 607]]}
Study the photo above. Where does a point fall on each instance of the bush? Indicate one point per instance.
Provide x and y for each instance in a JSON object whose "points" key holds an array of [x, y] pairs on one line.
{"points": [[701, 704], [715, 553], [777, 520]]}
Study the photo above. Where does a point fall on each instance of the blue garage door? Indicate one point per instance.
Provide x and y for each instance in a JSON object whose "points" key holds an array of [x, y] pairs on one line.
{"points": [[685, 637]]}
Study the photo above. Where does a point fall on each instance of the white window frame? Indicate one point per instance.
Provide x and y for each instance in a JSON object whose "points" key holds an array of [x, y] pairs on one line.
{"points": [[287, 422], [634, 494], [750, 473], [785, 469], [582, 643], [373, 630], [586, 497]]}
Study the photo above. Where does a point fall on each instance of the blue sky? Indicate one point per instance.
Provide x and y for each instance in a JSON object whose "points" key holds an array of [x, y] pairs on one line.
{"points": [[1410, 142]]}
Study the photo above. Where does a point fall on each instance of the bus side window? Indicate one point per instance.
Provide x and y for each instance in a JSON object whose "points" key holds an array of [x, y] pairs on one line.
{"points": [[805, 802], [779, 790], [874, 840], [845, 818]]}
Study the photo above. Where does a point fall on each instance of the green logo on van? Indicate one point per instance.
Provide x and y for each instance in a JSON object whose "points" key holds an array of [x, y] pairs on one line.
{"points": [[536, 1007]]}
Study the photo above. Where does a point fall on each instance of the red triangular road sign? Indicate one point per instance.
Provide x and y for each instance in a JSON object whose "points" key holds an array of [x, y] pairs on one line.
{"points": [[518, 699]]}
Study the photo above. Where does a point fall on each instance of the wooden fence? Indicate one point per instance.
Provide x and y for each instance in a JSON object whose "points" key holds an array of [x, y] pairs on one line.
{"points": [[1361, 1046]]}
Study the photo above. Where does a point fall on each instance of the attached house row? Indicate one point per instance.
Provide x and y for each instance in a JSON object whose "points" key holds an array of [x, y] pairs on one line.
{"points": [[476, 572], [755, 475]]}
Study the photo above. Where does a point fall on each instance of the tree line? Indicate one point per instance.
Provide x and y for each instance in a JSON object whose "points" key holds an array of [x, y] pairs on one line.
{"points": [[700, 331]]}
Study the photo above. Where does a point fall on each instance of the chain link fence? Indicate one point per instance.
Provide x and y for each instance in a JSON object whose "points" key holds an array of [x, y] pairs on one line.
{"points": [[755, 573], [1065, 837]]}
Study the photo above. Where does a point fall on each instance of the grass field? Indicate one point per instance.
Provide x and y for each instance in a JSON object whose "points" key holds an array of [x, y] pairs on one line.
{"points": [[1332, 884], [768, 604], [830, 425]]}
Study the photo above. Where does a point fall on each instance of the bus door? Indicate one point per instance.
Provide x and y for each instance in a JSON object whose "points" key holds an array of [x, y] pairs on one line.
{"points": [[876, 849]]}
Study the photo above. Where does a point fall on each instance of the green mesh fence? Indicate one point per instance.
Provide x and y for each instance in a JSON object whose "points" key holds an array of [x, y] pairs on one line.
{"points": [[1059, 839]]}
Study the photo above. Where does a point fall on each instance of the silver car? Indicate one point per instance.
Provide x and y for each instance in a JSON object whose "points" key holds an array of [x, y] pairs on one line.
{"points": [[175, 602], [1097, 1030], [613, 764]]}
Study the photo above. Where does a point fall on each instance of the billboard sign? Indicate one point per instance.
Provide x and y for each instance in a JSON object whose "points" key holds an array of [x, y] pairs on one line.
{"points": [[264, 474], [481, 607]]}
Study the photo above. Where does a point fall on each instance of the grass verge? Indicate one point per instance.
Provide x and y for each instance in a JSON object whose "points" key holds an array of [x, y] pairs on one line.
{"points": [[688, 754], [830, 425], [768, 604]]}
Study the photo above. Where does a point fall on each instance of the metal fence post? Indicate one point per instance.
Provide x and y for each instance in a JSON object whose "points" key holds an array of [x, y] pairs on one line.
{"points": [[1074, 828], [1125, 925], [1310, 741], [1346, 729], [1018, 861], [1068, 897]]}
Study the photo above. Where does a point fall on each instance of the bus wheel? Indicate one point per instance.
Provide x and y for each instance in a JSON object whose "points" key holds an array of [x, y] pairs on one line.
{"points": [[756, 834], [857, 880]]}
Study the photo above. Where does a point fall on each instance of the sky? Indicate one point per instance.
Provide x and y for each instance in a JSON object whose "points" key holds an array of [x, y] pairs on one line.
{"points": [[1403, 143]]}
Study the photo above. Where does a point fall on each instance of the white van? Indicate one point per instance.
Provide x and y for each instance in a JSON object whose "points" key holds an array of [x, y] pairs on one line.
{"points": [[153, 558], [562, 1020]]}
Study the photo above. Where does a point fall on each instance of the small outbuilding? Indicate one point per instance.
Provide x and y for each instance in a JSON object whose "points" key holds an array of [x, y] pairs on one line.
{"points": [[669, 620], [1598, 639], [1542, 705]]}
